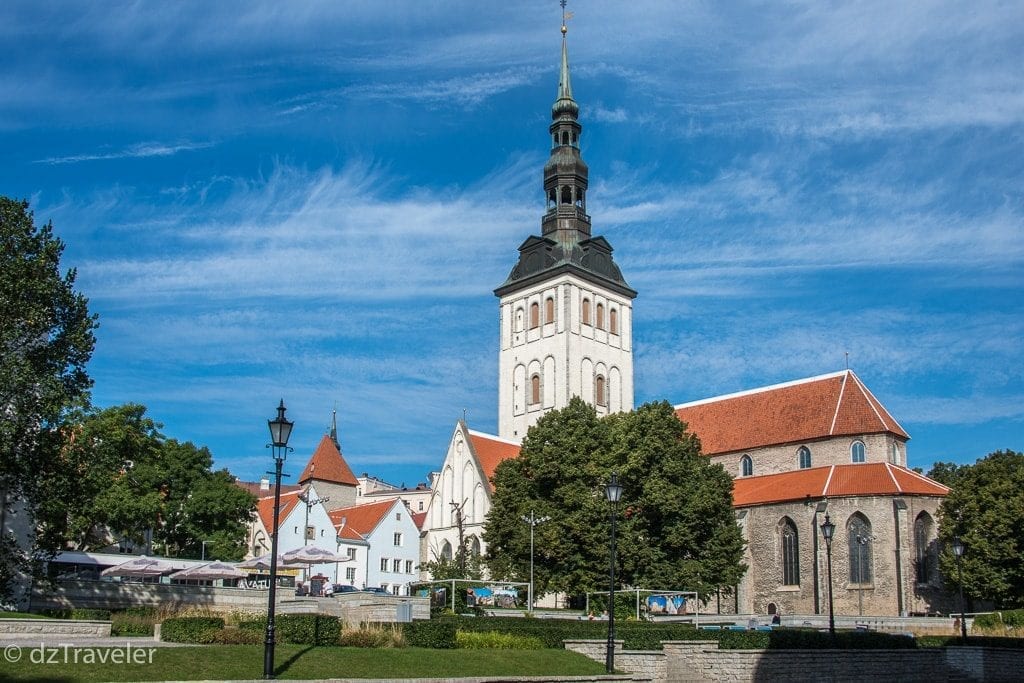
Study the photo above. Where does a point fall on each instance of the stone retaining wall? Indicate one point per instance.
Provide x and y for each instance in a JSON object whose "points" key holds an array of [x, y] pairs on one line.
{"points": [[694, 661], [353, 607], [37, 629]]}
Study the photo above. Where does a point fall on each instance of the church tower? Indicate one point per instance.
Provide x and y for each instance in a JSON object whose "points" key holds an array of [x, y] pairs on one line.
{"points": [[566, 311]]}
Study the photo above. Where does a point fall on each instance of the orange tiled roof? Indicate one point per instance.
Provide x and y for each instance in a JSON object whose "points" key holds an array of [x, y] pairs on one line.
{"points": [[265, 507], [804, 410], [255, 487], [363, 519], [418, 518], [491, 450], [327, 464], [834, 481]]}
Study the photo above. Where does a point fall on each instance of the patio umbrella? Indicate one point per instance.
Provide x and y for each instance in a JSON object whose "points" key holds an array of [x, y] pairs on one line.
{"points": [[140, 566], [261, 563], [210, 571], [312, 555]]}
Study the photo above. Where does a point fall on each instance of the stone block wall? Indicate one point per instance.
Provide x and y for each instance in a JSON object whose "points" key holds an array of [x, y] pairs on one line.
{"points": [[39, 629]]}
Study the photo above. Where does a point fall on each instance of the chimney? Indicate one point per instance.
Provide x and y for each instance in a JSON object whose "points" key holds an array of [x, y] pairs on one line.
{"points": [[264, 484]]}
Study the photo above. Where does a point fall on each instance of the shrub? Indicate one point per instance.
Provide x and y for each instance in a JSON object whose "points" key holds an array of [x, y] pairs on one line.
{"points": [[436, 633], [373, 635], [258, 624], [78, 613], [131, 625], [307, 629], [492, 640], [1000, 622], [237, 636], [191, 629]]}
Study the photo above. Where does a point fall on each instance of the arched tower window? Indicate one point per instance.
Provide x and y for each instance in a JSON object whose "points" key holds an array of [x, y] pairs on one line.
{"points": [[600, 391], [613, 320], [894, 456], [575, 139], [746, 466], [600, 316], [474, 546], [534, 315], [858, 531], [549, 310], [804, 456], [586, 311], [857, 451], [924, 562], [519, 320], [790, 553], [535, 390], [579, 198], [552, 197], [565, 137], [566, 194]]}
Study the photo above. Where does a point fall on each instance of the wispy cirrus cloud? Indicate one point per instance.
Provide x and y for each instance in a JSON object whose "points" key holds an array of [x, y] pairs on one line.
{"points": [[141, 150]]}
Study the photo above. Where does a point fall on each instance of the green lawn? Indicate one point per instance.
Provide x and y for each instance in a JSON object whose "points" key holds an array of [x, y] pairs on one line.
{"points": [[220, 662], [22, 615]]}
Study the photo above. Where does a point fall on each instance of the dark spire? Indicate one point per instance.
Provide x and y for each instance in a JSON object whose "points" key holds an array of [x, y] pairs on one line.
{"points": [[334, 428], [565, 241]]}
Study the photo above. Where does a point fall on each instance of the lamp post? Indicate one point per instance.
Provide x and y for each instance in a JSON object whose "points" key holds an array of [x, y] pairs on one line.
{"points": [[958, 550], [533, 521], [280, 431], [612, 493], [203, 557], [828, 530]]}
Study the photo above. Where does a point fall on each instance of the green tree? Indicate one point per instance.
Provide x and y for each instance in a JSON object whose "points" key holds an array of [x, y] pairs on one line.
{"points": [[46, 339], [676, 524], [947, 473], [985, 509], [136, 484]]}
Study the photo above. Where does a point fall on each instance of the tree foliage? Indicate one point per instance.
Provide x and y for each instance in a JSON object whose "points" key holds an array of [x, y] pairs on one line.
{"points": [[46, 339], [135, 484], [985, 509], [675, 519]]}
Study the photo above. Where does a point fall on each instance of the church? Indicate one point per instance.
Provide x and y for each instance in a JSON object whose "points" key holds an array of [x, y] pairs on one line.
{"points": [[799, 451]]}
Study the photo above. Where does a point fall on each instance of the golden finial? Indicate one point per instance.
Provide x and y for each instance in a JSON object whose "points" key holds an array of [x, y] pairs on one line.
{"points": [[566, 16]]}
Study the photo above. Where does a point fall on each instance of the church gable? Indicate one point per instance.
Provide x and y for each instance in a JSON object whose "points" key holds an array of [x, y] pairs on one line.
{"points": [[490, 451], [805, 410]]}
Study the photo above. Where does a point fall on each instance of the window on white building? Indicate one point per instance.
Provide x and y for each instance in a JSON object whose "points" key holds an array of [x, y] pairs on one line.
{"points": [[383, 564], [396, 566], [395, 588], [408, 566], [398, 538], [398, 516], [310, 533], [350, 573], [420, 507], [351, 553]]}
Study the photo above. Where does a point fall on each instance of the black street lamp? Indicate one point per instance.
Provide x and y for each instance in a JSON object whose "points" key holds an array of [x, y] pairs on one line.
{"points": [[612, 493], [958, 550], [280, 431], [533, 521], [828, 530]]}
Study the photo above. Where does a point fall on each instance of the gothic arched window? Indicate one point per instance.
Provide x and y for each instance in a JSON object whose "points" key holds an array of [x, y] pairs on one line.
{"points": [[924, 562], [586, 311], [534, 315], [446, 551], [858, 531], [535, 390], [857, 451], [549, 310], [790, 553], [804, 455], [613, 321], [600, 391], [746, 466]]}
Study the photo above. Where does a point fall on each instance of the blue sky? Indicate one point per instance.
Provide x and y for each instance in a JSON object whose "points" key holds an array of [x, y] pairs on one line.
{"points": [[315, 201]]}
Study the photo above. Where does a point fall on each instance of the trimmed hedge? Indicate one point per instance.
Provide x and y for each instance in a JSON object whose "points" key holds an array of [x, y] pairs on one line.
{"points": [[972, 641], [201, 630], [437, 633], [307, 629]]}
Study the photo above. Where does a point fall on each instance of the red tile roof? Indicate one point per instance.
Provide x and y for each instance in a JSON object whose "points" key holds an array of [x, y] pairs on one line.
{"points": [[491, 450], [255, 488], [418, 518], [265, 507], [834, 481], [362, 519], [327, 464], [804, 410]]}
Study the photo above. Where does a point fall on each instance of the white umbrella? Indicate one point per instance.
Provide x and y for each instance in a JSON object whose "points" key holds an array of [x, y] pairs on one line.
{"points": [[311, 554], [210, 571], [140, 566], [261, 563]]}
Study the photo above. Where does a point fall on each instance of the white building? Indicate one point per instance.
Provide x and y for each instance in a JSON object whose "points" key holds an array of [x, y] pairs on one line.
{"points": [[383, 541]]}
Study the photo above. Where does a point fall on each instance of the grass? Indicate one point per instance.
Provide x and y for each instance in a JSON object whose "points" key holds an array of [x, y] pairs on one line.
{"points": [[219, 662], [21, 615]]}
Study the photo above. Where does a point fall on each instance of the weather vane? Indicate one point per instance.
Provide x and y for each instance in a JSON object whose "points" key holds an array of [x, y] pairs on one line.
{"points": [[566, 16]]}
